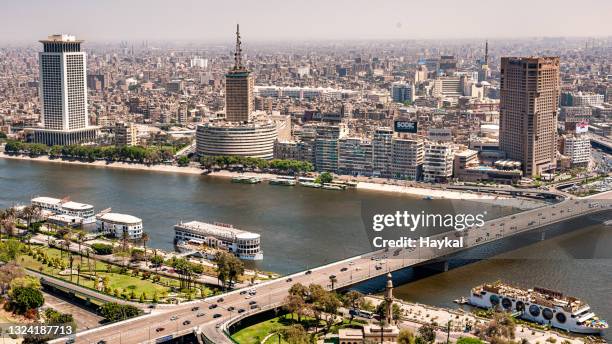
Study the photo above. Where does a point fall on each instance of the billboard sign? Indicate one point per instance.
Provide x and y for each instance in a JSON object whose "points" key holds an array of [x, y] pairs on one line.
{"points": [[582, 127], [405, 127]]}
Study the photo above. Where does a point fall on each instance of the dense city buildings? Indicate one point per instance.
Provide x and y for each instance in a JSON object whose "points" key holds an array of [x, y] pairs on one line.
{"points": [[528, 111]]}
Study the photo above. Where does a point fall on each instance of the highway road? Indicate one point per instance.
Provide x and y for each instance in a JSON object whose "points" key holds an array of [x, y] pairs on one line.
{"points": [[168, 320]]}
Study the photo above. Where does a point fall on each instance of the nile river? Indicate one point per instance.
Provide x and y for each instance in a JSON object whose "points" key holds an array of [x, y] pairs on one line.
{"points": [[303, 227]]}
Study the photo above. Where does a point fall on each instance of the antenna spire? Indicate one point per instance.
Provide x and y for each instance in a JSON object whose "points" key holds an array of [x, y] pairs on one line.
{"points": [[238, 53], [486, 61]]}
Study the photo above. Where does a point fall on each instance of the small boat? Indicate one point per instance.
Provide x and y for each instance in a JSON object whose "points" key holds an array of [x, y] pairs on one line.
{"points": [[246, 180], [282, 181], [310, 185], [462, 300], [332, 187], [428, 198], [608, 223]]}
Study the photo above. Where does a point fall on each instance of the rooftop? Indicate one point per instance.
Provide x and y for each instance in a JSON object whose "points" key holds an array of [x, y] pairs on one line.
{"points": [[121, 218]]}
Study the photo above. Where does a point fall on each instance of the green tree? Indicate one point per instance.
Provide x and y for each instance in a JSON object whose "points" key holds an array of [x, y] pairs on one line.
{"points": [[427, 333], [113, 311], [25, 298], [407, 337], [295, 334], [324, 177], [183, 161]]}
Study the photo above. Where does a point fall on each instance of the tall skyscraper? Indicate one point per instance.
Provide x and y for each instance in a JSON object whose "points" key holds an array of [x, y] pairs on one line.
{"points": [[239, 86], [530, 88], [63, 92]]}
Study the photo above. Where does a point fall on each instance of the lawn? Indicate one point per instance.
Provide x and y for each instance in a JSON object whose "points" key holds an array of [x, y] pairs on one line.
{"points": [[122, 282], [256, 333]]}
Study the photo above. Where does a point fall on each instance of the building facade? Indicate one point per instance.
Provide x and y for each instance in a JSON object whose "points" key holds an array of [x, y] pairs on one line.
{"points": [[126, 134], [63, 93], [530, 88], [254, 140], [407, 156], [438, 162]]}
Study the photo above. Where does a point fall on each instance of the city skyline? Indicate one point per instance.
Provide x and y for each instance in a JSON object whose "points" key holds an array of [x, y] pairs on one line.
{"points": [[207, 22]]}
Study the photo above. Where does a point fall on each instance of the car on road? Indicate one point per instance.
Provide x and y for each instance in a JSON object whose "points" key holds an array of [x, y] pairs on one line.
{"points": [[332, 276], [159, 329], [216, 315], [218, 325], [213, 306], [174, 317], [252, 302], [378, 267], [186, 322], [343, 269], [289, 279], [101, 342], [242, 292], [241, 310], [221, 299], [199, 315], [351, 263], [254, 306], [231, 308], [195, 309], [308, 272]]}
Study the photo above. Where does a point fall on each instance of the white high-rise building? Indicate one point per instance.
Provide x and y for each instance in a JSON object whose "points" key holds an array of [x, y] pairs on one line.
{"points": [[578, 149], [438, 162], [63, 93]]}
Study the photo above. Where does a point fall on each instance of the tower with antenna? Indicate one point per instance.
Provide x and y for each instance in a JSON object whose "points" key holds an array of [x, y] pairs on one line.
{"points": [[239, 85]]}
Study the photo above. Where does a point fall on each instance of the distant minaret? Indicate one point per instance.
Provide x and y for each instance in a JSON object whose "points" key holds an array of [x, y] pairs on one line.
{"points": [[389, 298]]}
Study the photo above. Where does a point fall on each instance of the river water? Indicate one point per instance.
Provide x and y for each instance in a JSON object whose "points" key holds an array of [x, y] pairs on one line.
{"points": [[303, 227]]}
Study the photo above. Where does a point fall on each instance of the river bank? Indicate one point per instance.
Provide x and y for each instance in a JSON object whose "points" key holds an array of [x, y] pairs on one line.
{"points": [[370, 185]]}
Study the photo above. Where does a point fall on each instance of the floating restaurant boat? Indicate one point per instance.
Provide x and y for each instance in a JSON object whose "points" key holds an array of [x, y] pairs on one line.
{"points": [[539, 305], [245, 245], [246, 180], [84, 212]]}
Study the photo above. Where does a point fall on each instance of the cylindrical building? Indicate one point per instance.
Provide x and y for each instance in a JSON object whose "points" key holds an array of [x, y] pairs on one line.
{"points": [[254, 139]]}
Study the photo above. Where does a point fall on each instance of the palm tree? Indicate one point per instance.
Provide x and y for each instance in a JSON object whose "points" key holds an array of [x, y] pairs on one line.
{"points": [[333, 279], [80, 238], [27, 238], [145, 238]]}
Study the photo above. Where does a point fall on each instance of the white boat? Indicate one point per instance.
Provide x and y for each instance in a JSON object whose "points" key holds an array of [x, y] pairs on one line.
{"points": [[246, 180], [539, 305], [310, 185], [331, 187], [282, 181]]}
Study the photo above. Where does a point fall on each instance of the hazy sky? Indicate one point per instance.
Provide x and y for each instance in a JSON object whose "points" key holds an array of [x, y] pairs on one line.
{"points": [[270, 20]]}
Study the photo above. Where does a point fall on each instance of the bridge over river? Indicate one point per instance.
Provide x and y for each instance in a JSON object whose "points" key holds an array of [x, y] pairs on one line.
{"points": [[170, 321]]}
